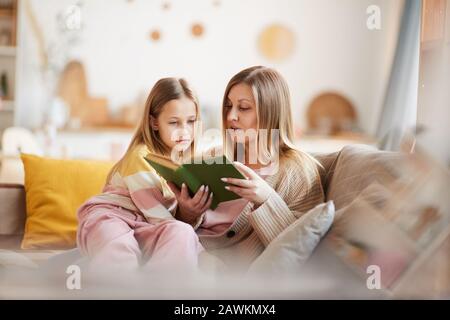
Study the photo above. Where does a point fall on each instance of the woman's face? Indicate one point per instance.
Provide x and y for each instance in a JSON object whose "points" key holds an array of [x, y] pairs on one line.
{"points": [[175, 123], [240, 110]]}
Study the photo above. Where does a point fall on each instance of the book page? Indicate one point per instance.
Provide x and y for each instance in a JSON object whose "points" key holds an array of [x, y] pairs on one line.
{"points": [[163, 160]]}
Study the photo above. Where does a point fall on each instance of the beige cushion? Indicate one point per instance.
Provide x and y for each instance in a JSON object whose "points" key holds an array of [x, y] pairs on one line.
{"points": [[375, 195], [328, 162], [357, 167]]}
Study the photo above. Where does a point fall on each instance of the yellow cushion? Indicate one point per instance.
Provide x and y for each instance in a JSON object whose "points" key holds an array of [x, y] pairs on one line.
{"points": [[55, 189]]}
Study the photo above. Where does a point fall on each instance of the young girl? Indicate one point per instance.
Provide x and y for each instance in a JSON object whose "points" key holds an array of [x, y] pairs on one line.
{"points": [[238, 231], [132, 222]]}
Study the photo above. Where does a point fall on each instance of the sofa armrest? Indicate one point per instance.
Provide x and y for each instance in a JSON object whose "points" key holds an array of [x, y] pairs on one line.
{"points": [[12, 210], [10, 241]]}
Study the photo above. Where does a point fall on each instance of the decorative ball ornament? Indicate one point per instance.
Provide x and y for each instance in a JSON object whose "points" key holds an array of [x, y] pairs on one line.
{"points": [[276, 42], [197, 30], [166, 6], [155, 35]]}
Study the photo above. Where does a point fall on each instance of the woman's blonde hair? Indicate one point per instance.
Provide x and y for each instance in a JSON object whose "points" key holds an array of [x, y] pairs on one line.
{"points": [[273, 109], [163, 91]]}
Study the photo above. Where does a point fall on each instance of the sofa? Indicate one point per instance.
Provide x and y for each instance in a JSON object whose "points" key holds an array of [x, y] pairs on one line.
{"points": [[345, 175]]}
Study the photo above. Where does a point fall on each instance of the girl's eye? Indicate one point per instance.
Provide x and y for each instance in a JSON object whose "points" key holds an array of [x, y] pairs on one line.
{"points": [[172, 123], [243, 108], [191, 121]]}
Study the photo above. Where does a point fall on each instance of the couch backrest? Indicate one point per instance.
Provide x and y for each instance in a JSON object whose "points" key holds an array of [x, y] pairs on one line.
{"points": [[344, 175], [13, 208], [328, 162], [358, 166]]}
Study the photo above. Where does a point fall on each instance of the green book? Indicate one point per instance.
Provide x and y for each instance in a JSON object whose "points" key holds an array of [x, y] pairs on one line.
{"points": [[194, 175]]}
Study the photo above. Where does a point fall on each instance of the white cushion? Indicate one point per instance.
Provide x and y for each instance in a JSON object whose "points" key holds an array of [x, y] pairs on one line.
{"points": [[287, 252]]}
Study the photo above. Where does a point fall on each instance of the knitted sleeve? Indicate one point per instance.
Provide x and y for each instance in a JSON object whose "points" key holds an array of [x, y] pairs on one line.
{"points": [[291, 199], [149, 192]]}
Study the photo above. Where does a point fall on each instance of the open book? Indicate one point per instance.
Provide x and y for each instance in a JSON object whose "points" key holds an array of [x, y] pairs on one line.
{"points": [[206, 172]]}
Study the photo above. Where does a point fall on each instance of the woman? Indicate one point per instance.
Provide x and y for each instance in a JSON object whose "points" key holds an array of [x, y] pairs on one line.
{"points": [[282, 183]]}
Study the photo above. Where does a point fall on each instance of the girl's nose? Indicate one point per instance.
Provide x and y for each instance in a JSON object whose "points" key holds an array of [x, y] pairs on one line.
{"points": [[184, 126], [184, 129], [183, 132]]}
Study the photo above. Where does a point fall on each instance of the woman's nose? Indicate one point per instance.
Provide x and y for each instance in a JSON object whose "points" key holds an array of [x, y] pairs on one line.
{"points": [[232, 115]]}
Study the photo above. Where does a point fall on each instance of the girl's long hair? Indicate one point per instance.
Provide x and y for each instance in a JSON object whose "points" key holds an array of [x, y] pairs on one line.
{"points": [[163, 91], [273, 109]]}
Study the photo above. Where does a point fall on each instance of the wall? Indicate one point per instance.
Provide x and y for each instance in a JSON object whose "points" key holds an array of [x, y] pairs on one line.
{"points": [[334, 49]]}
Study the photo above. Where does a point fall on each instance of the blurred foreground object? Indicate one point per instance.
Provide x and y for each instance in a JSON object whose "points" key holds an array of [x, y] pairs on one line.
{"points": [[402, 227]]}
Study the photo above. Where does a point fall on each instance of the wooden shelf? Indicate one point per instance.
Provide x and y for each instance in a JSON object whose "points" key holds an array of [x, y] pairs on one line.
{"points": [[9, 14], [6, 106], [99, 129], [433, 23], [8, 51], [6, 13]]}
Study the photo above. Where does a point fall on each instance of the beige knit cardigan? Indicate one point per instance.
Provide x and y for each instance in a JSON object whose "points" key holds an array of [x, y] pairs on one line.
{"points": [[254, 229]]}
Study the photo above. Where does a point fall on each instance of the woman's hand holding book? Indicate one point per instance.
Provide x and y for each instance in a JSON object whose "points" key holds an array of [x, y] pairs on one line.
{"points": [[253, 188]]}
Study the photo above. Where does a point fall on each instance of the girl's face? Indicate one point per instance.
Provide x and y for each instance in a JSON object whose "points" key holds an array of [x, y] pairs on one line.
{"points": [[175, 123], [240, 109]]}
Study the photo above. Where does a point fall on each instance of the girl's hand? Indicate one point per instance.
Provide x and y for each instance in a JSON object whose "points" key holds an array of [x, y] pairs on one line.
{"points": [[253, 188], [190, 209]]}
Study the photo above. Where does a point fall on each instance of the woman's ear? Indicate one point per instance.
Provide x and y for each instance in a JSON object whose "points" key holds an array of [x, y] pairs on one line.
{"points": [[154, 123]]}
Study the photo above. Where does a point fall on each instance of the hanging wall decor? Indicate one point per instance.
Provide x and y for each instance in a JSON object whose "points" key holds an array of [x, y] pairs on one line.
{"points": [[155, 35], [197, 30], [331, 113], [166, 6], [276, 42]]}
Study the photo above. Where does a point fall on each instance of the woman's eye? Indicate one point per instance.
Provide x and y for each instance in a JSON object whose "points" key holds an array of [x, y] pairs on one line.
{"points": [[172, 123], [243, 108], [191, 121]]}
